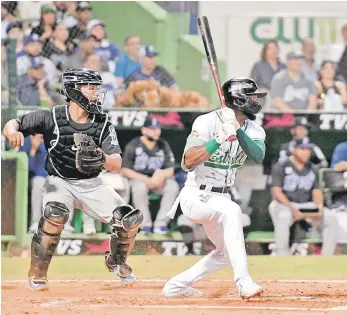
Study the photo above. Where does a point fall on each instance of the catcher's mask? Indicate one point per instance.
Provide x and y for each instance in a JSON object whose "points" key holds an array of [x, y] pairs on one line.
{"points": [[238, 95], [83, 87]]}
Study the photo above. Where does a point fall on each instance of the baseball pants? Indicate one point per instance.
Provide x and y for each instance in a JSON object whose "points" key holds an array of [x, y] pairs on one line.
{"points": [[93, 196], [222, 222], [282, 219], [140, 192]]}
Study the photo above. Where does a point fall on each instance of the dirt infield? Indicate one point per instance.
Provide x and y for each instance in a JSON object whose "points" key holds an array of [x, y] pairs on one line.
{"points": [[109, 297]]}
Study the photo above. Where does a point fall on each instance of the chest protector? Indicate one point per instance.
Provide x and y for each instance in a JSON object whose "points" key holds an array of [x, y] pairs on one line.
{"points": [[61, 160]]}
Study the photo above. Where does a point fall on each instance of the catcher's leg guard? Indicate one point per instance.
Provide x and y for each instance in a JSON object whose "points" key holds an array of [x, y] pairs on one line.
{"points": [[125, 224], [46, 239]]}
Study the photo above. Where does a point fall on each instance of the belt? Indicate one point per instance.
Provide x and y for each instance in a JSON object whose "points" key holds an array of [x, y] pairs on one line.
{"points": [[221, 190]]}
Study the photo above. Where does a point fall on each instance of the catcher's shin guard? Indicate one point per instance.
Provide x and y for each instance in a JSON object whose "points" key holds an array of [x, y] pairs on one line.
{"points": [[46, 239], [125, 224]]}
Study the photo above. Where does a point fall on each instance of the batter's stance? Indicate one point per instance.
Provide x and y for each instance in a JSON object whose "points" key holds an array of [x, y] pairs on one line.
{"points": [[80, 142], [211, 161]]}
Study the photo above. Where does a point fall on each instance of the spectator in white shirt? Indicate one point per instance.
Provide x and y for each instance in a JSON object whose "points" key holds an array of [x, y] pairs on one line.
{"points": [[336, 50]]}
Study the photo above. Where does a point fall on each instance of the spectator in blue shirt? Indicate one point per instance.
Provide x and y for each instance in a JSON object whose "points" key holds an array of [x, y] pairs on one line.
{"points": [[107, 50], [34, 147], [150, 69], [129, 60], [339, 157]]}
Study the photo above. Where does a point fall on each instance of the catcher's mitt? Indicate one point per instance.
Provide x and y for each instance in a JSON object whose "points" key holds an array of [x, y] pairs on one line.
{"points": [[89, 158]]}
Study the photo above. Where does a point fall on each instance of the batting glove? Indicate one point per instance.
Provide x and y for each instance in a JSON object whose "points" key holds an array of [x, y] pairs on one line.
{"points": [[226, 131], [228, 116]]}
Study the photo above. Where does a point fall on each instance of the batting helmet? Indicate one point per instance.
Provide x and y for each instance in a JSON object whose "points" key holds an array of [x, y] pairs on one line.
{"points": [[237, 92]]}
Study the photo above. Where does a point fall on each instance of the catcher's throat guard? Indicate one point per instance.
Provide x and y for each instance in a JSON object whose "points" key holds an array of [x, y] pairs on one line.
{"points": [[237, 94]]}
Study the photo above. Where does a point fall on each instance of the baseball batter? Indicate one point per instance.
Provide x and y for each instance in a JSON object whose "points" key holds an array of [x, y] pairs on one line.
{"points": [[212, 161], [80, 142]]}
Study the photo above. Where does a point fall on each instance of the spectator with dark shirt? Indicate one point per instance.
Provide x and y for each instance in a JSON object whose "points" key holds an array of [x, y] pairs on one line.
{"points": [[150, 70], [149, 164], [297, 197], [56, 48], [83, 14], [129, 61], [264, 70], [47, 23], [33, 87], [107, 50], [299, 129]]}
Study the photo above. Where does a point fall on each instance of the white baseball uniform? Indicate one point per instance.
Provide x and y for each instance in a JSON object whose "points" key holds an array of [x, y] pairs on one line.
{"points": [[220, 217]]}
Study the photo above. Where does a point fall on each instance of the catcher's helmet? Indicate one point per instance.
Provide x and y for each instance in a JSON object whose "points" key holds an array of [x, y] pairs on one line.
{"points": [[236, 92], [72, 86]]}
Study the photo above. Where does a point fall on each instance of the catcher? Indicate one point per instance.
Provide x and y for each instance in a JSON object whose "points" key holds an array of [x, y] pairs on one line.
{"points": [[80, 142]]}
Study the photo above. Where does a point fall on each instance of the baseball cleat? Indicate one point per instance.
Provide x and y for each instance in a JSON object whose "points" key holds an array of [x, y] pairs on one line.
{"points": [[182, 293], [38, 284], [124, 272], [249, 289]]}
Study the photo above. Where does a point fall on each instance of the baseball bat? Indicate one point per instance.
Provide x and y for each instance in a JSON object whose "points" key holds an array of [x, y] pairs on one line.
{"points": [[210, 51]]}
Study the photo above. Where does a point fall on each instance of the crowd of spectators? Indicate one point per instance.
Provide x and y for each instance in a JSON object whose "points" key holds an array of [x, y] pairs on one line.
{"points": [[302, 82], [65, 35]]}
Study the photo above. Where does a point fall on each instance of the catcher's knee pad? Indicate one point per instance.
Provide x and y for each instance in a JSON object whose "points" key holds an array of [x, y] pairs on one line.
{"points": [[125, 224], [46, 239], [55, 215]]}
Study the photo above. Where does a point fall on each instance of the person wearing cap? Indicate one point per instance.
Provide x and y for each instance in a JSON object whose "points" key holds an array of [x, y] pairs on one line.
{"points": [[129, 60], [33, 48], [107, 50], [33, 88], [83, 15], [15, 30], [148, 163], [9, 13], [47, 22], [290, 89], [297, 196], [299, 129], [149, 69]]}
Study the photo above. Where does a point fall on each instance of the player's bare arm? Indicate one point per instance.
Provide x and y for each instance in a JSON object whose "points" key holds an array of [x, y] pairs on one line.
{"points": [[195, 156], [113, 162], [278, 194], [131, 174], [11, 132]]}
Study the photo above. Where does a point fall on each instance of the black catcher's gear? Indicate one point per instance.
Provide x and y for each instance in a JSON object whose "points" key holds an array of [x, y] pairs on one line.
{"points": [[89, 158], [46, 239], [125, 224], [61, 160], [237, 92], [73, 79]]}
